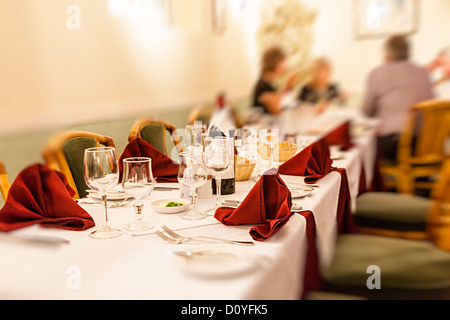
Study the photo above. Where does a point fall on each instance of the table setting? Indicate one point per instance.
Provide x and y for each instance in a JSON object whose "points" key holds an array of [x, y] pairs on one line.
{"points": [[145, 215]]}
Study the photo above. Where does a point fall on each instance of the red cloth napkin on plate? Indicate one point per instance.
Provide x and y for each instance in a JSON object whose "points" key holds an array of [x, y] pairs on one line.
{"points": [[267, 206], [340, 137], [164, 169], [313, 162], [42, 195]]}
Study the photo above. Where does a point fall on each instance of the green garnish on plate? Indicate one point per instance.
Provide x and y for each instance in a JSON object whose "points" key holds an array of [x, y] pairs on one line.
{"points": [[174, 204]]}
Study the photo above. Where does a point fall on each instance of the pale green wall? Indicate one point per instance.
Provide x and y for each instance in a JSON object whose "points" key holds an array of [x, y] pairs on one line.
{"points": [[20, 151]]}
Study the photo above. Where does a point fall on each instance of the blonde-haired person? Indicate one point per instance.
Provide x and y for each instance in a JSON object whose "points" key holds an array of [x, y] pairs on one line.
{"points": [[320, 90], [265, 94]]}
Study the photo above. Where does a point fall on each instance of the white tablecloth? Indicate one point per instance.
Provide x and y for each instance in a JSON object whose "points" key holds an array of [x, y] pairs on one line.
{"points": [[143, 268]]}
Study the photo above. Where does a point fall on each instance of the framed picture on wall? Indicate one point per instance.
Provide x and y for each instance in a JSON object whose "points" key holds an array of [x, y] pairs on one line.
{"points": [[157, 12], [219, 16], [380, 18]]}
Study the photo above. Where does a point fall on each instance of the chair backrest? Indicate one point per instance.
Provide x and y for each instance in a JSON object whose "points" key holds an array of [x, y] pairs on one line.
{"points": [[434, 118], [154, 132], [65, 153], [201, 113], [4, 181]]}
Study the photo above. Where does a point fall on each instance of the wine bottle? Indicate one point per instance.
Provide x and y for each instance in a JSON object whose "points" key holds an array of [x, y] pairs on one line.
{"points": [[228, 183]]}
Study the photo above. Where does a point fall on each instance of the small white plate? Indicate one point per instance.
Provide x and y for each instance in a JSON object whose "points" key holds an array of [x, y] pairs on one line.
{"points": [[216, 262], [300, 193], [160, 206], [338, 155]]}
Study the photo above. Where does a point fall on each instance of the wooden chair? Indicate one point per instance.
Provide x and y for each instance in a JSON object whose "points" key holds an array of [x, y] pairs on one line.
{"points": [[409, 269], [154, 132], [4, 181], [438, 220], [420, 156], [65, 153], [202, 114], [205, 113], [407, 216]]}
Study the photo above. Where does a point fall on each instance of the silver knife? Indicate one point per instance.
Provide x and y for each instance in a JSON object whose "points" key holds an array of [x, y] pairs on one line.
{"points": [[34, 239], [165, 188], [205, 254], [233, 201]]}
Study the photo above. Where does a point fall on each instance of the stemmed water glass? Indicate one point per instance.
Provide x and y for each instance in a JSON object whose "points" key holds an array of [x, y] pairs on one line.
{"points": [[269, 138], [192, 174], [194, 135], [138, 182], [218, 156], [101, 173]]}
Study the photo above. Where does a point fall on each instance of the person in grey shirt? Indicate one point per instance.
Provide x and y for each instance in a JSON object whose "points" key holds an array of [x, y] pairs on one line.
{"points": [[392, 90]]}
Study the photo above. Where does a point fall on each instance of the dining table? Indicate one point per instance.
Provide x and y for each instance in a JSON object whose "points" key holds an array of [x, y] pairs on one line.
{"points": [[147, 267]]}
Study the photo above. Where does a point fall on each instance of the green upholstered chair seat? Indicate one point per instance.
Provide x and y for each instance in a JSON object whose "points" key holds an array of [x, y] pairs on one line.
{"points": [[324, 295], [74, 153], [392, 207], [404, 264], [154, 134]]}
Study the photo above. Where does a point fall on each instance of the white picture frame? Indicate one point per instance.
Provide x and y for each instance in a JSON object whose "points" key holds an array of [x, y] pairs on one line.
{"points": [[381, 18], [159, 10], [219, 16]]}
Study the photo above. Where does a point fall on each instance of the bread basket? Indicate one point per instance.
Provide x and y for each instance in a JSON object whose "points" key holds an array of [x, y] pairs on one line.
{"points": [[243, 169], [282, 151]]}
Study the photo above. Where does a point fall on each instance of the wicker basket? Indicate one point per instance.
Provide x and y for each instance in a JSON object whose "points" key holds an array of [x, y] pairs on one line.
{"points": [[282, 152], [243, 171]]}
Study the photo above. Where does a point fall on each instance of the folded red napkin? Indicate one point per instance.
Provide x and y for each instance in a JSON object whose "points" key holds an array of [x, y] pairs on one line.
{"points": [[340, 137], [267, 206], [41, 195], [313, 162], [164, 169]]}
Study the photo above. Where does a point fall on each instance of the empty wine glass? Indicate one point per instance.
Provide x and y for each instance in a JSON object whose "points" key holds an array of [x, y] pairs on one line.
{"points": [[138, 181], [218, 156], [194, 134], [192, 174], [269, 138], [101, 173]]}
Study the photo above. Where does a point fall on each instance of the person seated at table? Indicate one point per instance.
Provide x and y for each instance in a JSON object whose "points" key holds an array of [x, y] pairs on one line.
{"points": [[265, 94], [320, 90], [391, 90]]}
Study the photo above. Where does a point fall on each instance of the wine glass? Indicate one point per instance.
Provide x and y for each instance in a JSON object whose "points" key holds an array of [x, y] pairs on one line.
{"points": [[101, 173], [138, 181], [194, 134], [192, 174], [219, 156], [269, 138]]}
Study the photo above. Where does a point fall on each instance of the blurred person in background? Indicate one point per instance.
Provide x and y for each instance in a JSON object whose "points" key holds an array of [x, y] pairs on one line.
{"points": [[320, 91], [439, 69], [392, 89], [265, 94]]}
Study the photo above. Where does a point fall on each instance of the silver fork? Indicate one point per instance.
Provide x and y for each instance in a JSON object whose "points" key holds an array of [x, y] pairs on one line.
{"points": [[165, 238], [177, 237]]}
